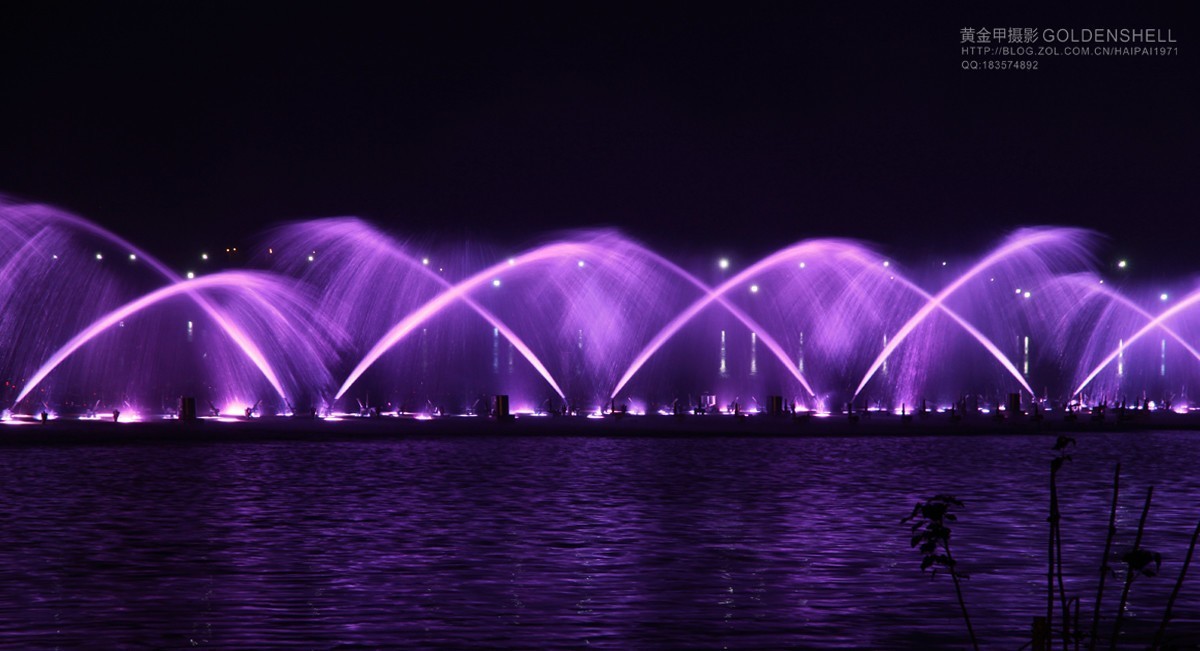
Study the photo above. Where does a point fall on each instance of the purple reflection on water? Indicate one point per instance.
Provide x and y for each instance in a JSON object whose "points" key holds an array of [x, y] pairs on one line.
{"points": [[563, 542]]}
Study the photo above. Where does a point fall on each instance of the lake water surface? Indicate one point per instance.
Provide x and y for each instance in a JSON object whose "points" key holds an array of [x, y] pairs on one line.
{"points": [[572, 542]]}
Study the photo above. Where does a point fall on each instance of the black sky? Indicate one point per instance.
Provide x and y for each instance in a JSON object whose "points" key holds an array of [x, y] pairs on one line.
{"points": [[187, 125]]}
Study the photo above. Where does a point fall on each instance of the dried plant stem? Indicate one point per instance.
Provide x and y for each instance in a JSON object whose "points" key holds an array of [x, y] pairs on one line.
{"points": [[1137, 544], [1062, 590], [961, 602], [1112, 531], [1175, 593], [1050, 557], [1078, 635]]}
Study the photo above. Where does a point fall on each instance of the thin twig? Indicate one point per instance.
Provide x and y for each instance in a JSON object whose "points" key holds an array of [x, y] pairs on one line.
{"points": [[1058, 564], [1175, 593], [1112, 531], [1079, 634], [1137, 544], [961, 602], [1050, 558]]}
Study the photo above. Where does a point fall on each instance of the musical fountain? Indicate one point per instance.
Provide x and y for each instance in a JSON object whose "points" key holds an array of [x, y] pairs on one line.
{"points": [[336, 316]]}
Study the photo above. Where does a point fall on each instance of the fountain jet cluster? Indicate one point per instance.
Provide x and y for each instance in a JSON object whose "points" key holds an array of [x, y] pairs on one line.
{"points": [[335, 312]]}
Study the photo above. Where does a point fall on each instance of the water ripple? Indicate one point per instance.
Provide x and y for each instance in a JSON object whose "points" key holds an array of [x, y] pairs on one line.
{"points": [[495, 542]]}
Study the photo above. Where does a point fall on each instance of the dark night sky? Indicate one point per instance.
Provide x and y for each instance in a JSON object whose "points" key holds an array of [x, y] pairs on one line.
{"points": [[189, 125]]}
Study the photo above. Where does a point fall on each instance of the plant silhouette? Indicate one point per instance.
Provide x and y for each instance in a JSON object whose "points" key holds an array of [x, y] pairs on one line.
{"points": [[1137, 562], [930, 528], [931, 535], [1055, 562]]}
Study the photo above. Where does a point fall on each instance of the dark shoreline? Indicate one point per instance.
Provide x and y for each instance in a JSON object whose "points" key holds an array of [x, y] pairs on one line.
{"points": [[77, 432]]}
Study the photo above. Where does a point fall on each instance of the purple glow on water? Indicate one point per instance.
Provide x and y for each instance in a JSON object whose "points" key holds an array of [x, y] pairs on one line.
{"points": [[458, 543]]}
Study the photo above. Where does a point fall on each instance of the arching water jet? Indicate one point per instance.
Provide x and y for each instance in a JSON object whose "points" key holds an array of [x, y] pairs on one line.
{"points": [[1156, 322], [239, 337], [236, 280], [966, 325], [453, 294], [1017, 244], [737, 312], [380, 242], [811, 248]]}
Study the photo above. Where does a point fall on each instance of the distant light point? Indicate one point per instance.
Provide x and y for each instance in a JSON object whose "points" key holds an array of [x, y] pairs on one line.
{"points": [[311, 258], [132, 257], [496, 283], [1121, 264], [1163, 296], [802, 265], [99, 256], [581, 263], [191, 275], [1027, 294], [754, 289], [887, 263], [425, 261], [204, 256], [723, 263]]}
